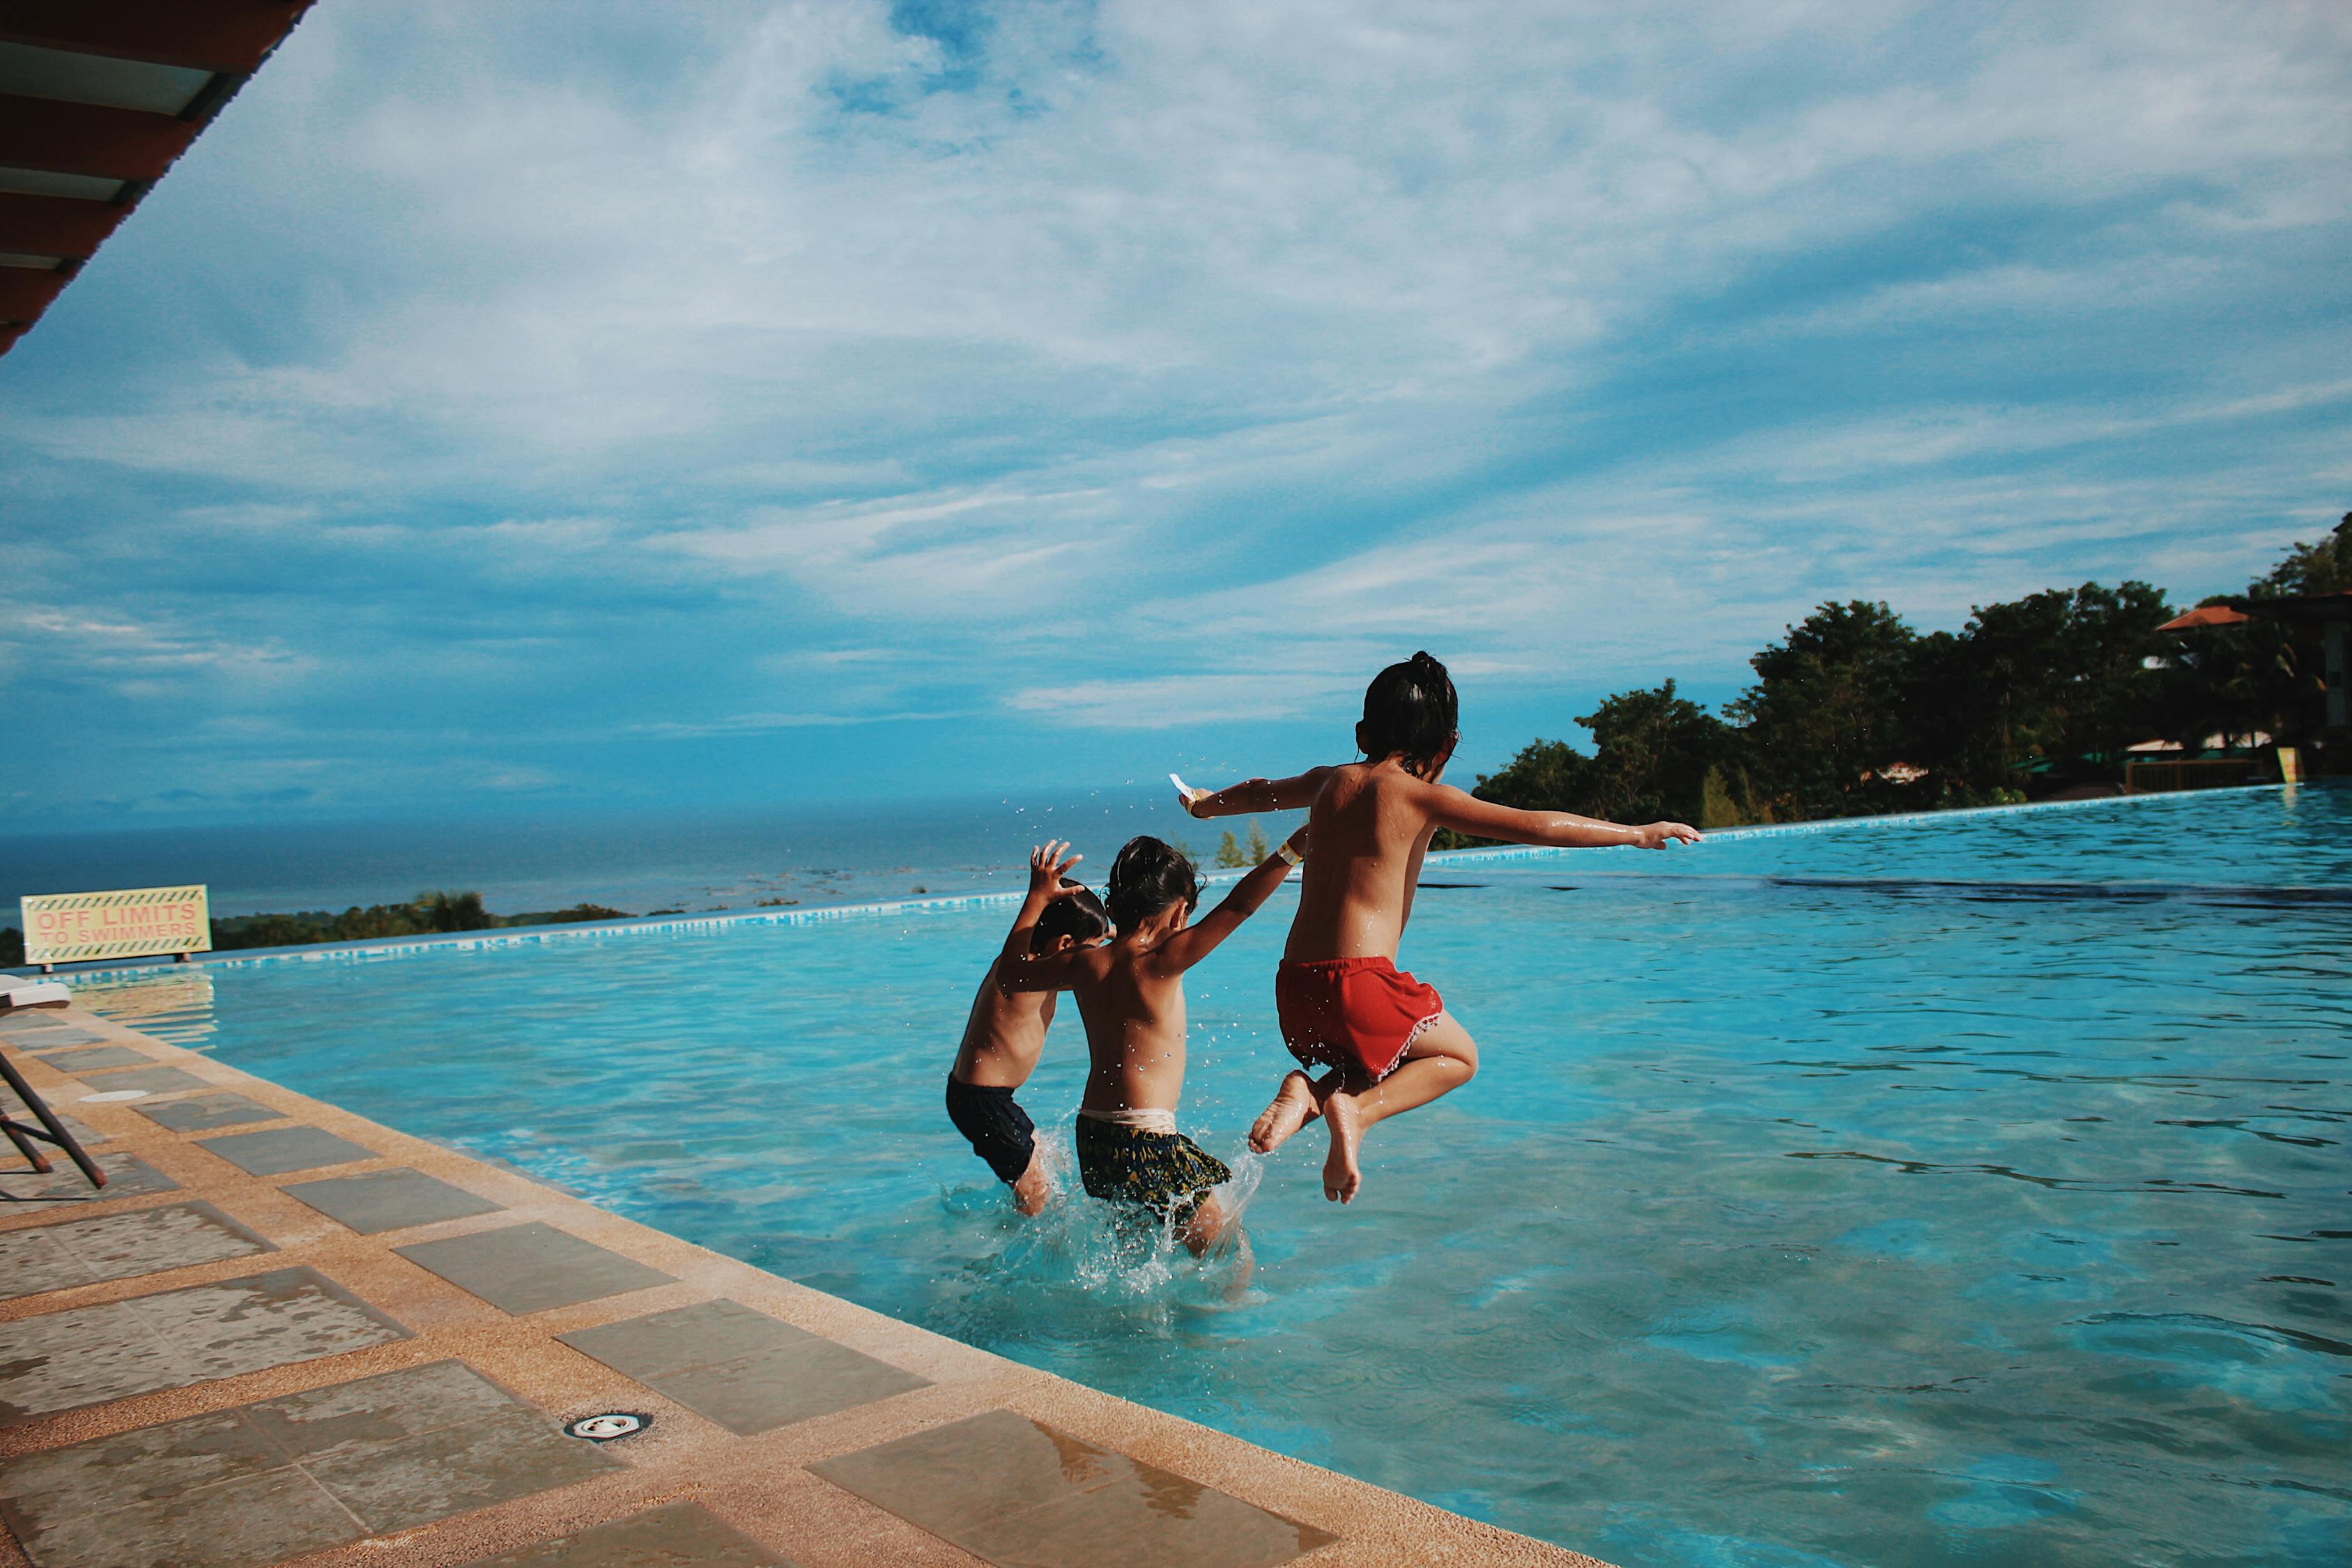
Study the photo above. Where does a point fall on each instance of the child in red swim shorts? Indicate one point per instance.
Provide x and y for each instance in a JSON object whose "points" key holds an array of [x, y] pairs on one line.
{"points": [[1386, 1039]]}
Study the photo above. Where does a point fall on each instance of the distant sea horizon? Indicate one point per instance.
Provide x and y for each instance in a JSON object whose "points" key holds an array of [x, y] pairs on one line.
{"points": [[686, 858]]}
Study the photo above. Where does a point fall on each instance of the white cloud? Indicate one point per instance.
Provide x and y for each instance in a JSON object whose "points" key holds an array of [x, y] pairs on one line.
{"points": [[1171, 701], [1198, 358], [764, 724]]}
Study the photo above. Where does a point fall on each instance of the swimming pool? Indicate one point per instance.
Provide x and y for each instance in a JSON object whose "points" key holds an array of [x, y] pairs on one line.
{"points": [[1923, 1194]]}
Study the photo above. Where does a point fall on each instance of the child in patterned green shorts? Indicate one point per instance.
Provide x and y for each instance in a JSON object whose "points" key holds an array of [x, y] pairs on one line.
{"points": [[1130, 994]]}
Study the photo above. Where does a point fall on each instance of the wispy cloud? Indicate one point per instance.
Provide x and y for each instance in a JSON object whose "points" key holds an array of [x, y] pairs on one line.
{"points": [[602, 394]]}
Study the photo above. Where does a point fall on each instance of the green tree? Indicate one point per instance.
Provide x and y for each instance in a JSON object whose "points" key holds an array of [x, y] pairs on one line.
{"points": [[1728, 799], [269, 931], [357, 924], [2059, 678], [1653, 752], [441, 911], [1257, 849], [1546, 775], [1825, 712], [2322, 568], [1229, 852]]}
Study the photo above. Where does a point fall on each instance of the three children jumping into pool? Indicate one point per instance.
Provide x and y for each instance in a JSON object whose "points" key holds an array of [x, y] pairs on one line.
{"points": [[1383, 1041]]}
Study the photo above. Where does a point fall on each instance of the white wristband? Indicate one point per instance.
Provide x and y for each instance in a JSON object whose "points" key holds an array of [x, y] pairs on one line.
{"points": [[1289, 855]]}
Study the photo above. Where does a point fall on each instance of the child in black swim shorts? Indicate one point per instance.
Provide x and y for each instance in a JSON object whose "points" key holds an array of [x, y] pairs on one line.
{"points": [[1001, 1042]]}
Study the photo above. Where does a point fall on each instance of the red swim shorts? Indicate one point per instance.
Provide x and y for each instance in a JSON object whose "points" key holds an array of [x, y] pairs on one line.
{"points": [[1356, 1012]]}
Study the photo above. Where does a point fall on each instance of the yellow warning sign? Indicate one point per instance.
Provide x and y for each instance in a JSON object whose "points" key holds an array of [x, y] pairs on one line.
{"points": [[130, 923]]}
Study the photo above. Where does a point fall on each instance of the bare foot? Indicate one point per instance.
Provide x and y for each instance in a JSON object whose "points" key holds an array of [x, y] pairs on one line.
{"points": [[1294, 1102], [1035, 1187], [1244, 1265], [1340, 1175]]}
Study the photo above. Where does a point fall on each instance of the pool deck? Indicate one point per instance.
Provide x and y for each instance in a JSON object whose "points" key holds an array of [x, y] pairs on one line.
{"points": [[283, 1333]]}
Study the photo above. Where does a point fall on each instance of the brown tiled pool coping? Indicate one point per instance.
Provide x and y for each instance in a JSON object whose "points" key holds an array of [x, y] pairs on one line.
{"points": [[796, 1465]]}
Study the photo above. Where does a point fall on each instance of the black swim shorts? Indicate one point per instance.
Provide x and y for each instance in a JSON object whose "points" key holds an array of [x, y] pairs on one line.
{"points": [[1000, 1131]]}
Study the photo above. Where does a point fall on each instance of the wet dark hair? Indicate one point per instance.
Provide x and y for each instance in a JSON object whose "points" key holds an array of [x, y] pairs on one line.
{"points": [[1410, 708], [1078, 917], [1149, 875]]}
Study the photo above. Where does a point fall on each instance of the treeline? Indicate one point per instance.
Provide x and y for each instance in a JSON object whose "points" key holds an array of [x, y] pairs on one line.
{"points": [[1854, 713], [426, 914]]}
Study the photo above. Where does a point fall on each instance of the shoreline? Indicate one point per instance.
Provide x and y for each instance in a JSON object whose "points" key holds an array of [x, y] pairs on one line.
{"points": [[515, 936]]}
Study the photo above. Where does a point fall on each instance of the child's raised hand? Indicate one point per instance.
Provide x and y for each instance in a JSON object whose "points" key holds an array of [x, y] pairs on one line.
{"points": [[1658, 834], [1047, 862]]}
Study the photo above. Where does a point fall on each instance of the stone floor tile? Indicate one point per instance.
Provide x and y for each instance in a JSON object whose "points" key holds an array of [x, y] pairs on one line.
{"points": [[278, 1149], [86, 1135], [1147, 1519], [151, 1080], [127, 1176], [530, 1267], [347, 1420], [203, 1113], [59, 1037], [776, 1388], [674, 1537], [1016, 1492], [31, 1262], [84, 1356], [418, 1479], [952, 1479], [389, 1200], [96, 1059], [147, 1465], [149, 1241], [263, 1320], [685, 1337], [741, 1368], [245, 1523]]}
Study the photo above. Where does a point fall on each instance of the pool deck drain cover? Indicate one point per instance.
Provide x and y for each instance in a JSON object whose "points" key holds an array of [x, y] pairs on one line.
{"points": [[605, 1427]]}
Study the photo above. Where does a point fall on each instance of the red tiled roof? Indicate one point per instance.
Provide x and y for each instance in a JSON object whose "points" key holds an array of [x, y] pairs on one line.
{"points": [[2205, 615]]}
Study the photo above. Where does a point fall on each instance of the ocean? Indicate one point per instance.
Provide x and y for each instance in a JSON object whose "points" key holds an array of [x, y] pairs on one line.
{"points": [[688, 861]]}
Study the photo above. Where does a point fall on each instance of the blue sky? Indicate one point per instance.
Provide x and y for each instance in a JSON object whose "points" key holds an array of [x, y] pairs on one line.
{"points": [[540, 407]]}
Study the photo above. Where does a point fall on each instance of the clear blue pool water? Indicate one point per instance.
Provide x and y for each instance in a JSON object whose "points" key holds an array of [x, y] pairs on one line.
{"points": [[1965, 1192]]}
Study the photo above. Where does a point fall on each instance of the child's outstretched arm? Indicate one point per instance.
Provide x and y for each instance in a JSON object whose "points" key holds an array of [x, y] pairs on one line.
{"points": [[1465, 812], [1017, 968], [1197, 941], [1253, 794]]}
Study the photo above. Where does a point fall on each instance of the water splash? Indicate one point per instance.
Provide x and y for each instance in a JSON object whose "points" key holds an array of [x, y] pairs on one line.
{"points": [[1111, 1267]]}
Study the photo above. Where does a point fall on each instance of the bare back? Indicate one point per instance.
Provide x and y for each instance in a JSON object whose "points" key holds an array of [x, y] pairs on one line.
{"points": [[1004, 1034], [1134, 1014], [1370, 824], [1131, 992]]}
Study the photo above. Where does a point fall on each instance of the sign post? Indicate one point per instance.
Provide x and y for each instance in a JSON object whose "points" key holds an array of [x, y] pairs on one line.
{"points": [[129, 922]]}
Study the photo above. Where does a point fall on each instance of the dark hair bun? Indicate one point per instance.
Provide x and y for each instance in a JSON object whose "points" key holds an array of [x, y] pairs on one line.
{"points": [[1409, 709]]}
